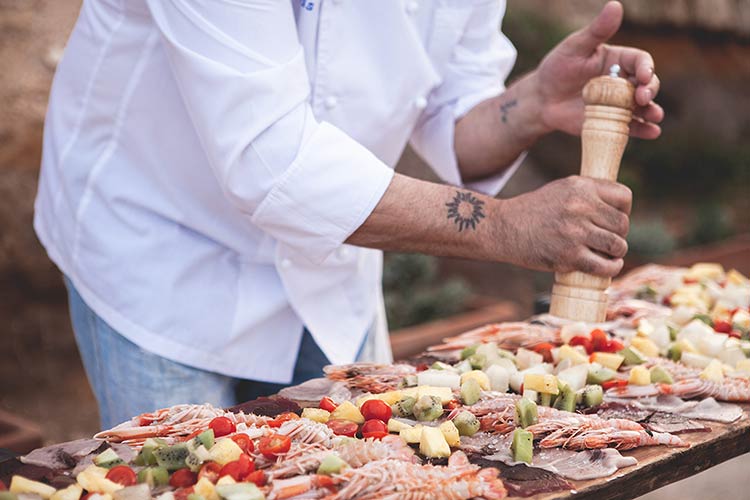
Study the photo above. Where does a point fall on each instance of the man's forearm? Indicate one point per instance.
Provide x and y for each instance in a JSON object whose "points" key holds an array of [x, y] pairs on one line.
{"points": [[424, 217], [490, 136]]}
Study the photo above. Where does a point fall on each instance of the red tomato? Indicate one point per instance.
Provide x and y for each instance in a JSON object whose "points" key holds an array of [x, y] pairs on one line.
{"points": [[452, 404], [327, 404], [374, 428], [238, 469], [222, 426], [258, 477], [182, 478], [284, 417], [421, 367], [609, 384], [183, 493], [581, 340], [599, 340], [244, 442], [342, 427], [274, 445], [122, 474], [3, 487], [376, 409], [667, 301], [614, 346], [722, 326], [736, 334], [210, 470], [545, 349]]}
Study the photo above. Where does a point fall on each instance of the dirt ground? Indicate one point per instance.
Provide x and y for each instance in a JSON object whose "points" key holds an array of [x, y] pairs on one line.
{"points": [[42, 377]]}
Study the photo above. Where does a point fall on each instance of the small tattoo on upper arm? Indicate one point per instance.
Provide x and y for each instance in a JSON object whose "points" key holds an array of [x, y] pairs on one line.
{"points": [[466, 210], [505, 107]]}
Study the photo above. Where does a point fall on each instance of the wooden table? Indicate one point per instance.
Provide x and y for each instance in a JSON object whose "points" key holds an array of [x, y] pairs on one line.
{"points": [[659, 466]]}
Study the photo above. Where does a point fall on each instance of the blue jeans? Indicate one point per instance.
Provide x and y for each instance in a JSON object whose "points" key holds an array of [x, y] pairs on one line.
{"points": [[128, 380]]}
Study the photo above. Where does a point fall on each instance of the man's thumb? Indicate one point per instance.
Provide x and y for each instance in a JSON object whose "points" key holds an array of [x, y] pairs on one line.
{"points": [[602, 28]]}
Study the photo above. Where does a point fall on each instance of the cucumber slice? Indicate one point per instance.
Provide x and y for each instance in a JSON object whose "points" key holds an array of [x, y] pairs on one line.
{"points": [[674, 352], [522, 446], [153, 476], [239, 491]]}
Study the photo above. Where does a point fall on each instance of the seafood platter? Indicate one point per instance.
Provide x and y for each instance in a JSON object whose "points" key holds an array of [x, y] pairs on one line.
{"points": [[545, 408]]}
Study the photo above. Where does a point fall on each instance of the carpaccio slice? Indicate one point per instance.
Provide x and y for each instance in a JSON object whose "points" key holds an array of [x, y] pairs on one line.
{"points": [[524, 481], [267, 406]]}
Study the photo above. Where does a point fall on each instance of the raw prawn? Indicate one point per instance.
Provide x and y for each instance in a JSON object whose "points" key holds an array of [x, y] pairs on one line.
{"points": [[370, 377], [508, 336], [586, 439], [734, 389]]}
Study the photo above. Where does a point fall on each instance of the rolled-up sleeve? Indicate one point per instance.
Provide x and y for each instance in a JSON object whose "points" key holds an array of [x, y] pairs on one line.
{"points": [[481, 61], [241, 72]]}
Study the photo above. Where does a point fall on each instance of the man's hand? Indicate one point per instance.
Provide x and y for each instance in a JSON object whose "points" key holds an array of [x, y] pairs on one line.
{"points": [[584, 55], [576, 223]]}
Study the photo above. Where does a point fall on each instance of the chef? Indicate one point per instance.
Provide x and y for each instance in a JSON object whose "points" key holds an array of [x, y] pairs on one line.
{"points": [[217, 179]]}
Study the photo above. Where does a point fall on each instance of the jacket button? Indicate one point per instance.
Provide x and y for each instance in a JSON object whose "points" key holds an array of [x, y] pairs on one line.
{"points": [[420, 102], [330, 102], [286, 264], [343, 252]]}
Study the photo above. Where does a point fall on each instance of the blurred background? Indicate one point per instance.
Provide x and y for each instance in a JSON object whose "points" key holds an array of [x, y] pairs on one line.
{"points": [[691, 191]]}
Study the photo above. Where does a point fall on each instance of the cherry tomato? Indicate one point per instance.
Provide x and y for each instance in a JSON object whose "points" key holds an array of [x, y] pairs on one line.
{"points": [[614, 346], [327, 404], [222, 426], [376, 409], [581, 340], [210, 470], [667, 301], [722, 326], [183, 493], [284, 417], [182, 478], [275, 445], [122, 474], [421, 367], [244, 442], [374, 428], [599, 340], [238, 469], [342, 427], [736, 334], [452, 404], [258, 477], [545, 349], [609, 384]]}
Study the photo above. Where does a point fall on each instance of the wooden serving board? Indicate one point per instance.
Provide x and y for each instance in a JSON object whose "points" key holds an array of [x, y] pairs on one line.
{"points": [[659, 466]]}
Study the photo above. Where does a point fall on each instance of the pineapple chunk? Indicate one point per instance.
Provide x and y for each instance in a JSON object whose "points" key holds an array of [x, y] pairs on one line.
{"points": [[646, 346], [482, 379], [93, 479], [397, 426], [432, 444], [645, 328], [19, 485], [317, 415], [639, 375], [690, 296], [743, 365], [538, 382], [705, 271], [567, 352], [444, 394], [450, 433], [389, 397], [735, 277], [224, 451], [347, 411], [610, 360], [686, 346], [713, 372], [72, 492], [412, 435], [206, 489], [225, 480]]}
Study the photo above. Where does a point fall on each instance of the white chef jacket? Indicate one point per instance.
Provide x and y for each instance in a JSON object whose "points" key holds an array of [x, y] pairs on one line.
{"points": [[204, 161]]}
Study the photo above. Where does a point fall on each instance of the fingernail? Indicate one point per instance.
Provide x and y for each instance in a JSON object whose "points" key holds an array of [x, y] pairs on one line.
{"points": [[648, 95]]}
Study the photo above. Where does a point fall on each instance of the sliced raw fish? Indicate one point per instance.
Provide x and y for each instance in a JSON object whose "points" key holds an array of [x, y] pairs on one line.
{"points": [[524, 481], [266, 406], [62, 456], [710, 409], [633, 391]]}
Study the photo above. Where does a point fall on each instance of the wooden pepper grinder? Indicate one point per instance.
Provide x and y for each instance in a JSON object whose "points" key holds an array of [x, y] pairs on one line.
{"points": [[609, 104]]}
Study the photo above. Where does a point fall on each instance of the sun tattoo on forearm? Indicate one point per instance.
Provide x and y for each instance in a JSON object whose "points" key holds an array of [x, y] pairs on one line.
{"points": [[466, 210]]}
